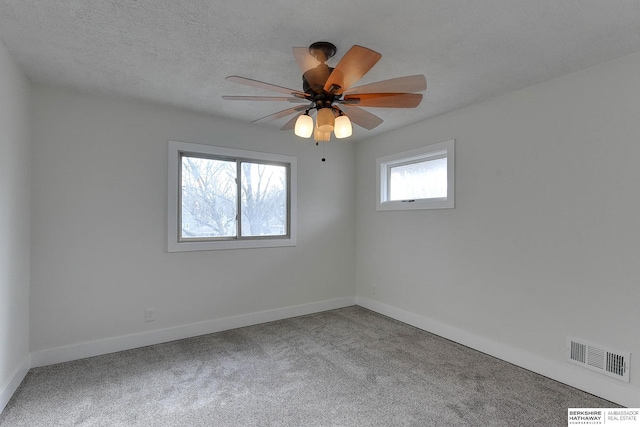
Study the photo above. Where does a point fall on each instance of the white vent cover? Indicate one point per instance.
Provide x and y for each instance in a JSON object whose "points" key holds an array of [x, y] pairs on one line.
{"points": [[598, 358]]}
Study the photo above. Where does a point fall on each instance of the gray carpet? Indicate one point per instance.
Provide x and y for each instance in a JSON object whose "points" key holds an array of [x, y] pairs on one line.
{"points": [[346, 367]]}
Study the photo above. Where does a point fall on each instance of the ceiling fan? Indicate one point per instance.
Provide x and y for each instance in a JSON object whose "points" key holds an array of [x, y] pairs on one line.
{"points": [[329, 91]]}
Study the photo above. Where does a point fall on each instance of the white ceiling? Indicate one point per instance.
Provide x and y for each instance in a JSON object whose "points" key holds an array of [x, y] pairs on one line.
{"points": [[179, 52]]}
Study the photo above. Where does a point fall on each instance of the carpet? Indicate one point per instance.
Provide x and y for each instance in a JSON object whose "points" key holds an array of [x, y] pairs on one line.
{"points": [[345, 367]]}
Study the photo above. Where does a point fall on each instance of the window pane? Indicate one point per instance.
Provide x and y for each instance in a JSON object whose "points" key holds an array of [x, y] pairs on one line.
{"points": [[208, 198], [421, 180], [264, 200]]}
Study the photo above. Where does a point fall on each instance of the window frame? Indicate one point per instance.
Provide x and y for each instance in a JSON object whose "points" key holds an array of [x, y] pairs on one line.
{"points": [[384, 164], [174, 242]]}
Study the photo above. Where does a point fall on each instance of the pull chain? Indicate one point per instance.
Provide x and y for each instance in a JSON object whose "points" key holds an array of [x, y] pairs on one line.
{"points": [[323, 157]]}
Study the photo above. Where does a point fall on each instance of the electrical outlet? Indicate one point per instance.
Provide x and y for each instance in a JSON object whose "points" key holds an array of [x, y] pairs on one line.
{"points": [[150, 314]]}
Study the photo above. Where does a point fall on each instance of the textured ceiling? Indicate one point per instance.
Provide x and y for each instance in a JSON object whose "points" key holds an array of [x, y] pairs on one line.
{"points": [[179, 52]]}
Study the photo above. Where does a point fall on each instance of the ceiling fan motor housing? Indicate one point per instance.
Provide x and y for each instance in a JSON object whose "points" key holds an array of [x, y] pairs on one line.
{"points": [[320, 73]]}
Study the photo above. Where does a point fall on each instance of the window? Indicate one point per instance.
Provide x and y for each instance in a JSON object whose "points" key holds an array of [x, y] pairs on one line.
{"points": [[223, 198], [418, 179]]}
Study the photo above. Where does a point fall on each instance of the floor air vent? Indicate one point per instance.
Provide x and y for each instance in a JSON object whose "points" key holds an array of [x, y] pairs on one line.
{"points": [[600, 359]]}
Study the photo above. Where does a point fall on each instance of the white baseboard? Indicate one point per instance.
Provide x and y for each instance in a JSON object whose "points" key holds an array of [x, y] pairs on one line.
{"points": [[622, 394], [142, 339], [12, 385]]}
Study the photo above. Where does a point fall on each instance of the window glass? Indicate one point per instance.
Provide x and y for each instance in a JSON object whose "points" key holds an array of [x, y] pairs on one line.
{"points": [[208, 195], [264, 199], [419, 180]]}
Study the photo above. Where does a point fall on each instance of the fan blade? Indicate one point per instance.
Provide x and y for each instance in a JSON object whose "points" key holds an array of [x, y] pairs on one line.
{"points": [[263, 85], [362, 117], [384, 100], [304, 59], [416, 83], [279, 114], [291, 124], [353, 65], [264, 98], [314, 72]]}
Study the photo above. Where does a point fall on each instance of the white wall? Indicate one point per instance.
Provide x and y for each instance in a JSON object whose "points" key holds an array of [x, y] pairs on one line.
{"points": [[14, 225], [544, 241], [99, 223]]}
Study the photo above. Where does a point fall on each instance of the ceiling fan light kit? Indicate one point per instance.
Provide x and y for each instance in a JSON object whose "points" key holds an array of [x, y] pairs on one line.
{"points": [[326, 88], [320, 136], [325, 120], [343, 128], [304, 126]]}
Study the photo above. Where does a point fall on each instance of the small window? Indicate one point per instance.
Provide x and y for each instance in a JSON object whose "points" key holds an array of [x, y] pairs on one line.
{"points": [[418, 179], [223, 198]]}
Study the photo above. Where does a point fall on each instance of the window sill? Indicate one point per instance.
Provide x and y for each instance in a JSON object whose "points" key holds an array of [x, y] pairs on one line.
{"points": [[415, 205], [231, 244]]}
